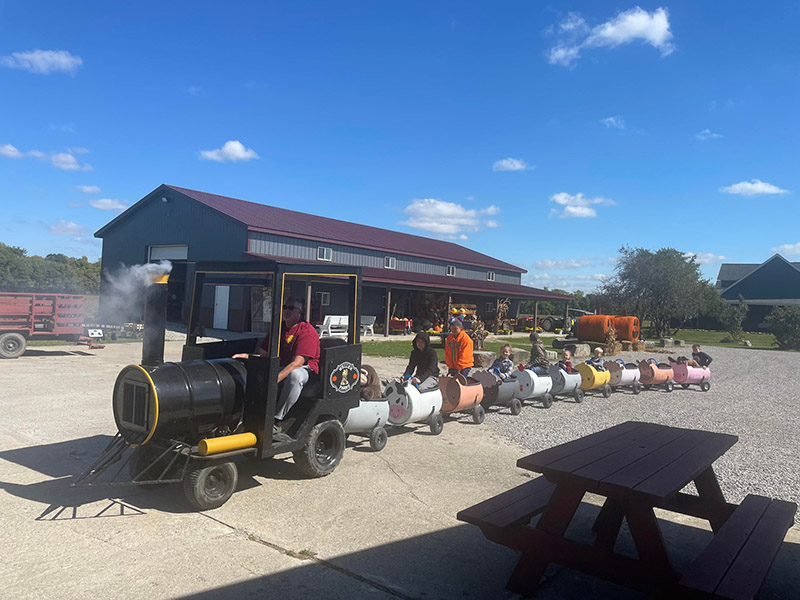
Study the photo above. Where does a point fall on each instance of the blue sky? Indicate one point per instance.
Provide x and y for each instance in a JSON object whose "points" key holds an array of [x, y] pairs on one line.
{"points": [[544, 135]]}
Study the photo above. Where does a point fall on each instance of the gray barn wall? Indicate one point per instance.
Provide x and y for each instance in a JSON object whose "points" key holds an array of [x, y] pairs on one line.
{"points": [[277, 245], [209, 234]]}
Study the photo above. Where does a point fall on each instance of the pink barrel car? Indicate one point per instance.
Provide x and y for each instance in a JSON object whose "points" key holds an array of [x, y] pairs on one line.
{"points": [[686, 375]]}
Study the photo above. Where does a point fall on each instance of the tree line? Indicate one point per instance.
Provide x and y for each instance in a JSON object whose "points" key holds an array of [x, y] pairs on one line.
{"points": [[54, 273]]}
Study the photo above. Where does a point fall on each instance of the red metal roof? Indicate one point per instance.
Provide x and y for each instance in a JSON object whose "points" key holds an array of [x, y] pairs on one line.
{"points": [[281, 221], [421, 280]]}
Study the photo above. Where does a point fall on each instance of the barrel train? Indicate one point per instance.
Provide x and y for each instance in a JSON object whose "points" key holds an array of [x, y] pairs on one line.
{"points": [[188, 422]]}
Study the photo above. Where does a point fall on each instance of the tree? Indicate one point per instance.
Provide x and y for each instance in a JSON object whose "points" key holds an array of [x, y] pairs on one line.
{"points": [[661, 286], [784, 324], [53, 273], [731, 317]]}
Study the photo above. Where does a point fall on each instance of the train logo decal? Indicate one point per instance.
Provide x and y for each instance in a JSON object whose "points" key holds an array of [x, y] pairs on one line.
{"points": [[344, 377]]}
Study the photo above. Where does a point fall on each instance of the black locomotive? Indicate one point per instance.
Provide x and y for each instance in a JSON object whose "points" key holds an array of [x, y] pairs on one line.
{"points": [[187, 421]]}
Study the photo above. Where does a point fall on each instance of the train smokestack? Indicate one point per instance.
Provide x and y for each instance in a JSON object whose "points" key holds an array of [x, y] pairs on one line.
{"points": [[155, 321]]}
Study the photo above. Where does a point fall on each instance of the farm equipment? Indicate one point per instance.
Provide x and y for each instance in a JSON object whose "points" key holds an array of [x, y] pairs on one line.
{"points": [[38, 316]]}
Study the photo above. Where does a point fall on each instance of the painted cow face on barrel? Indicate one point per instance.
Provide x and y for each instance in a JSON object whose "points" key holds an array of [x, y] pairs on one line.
{"points": [[398, 401]]}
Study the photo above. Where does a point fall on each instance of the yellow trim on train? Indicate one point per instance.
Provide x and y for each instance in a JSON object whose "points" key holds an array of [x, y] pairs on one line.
{"points": [[155, 400]]}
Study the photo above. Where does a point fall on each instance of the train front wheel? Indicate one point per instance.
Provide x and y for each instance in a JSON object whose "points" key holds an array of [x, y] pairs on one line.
{"points": [[323, 450], [208, 486]]}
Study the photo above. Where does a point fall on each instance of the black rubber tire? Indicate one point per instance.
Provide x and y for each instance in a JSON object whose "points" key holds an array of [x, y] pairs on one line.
{"points": [[578, 395], [436, 424], [705, 385], [669, 386], [143, 456], [323, 450], [547, 324], [547, 400], [12, 345], [478, 414], [685, 386], [210, 485], [378, 438], [516, 406], [606, 391], [637, 388], [646, 386]]}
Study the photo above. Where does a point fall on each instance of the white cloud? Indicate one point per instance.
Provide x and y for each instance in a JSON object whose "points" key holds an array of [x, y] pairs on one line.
{"points": [[67, 162], [628, 26], [89, 189], [616, 122], [61, 160], [511, 164], [43, 62], [705, 258], [707, 134], [578, 206], [788, 249], [10, 151], [232, 151], [78, 150], [755, 187], [63, 227], [107, 204], [587, 281], [561, 265], [448, 219]]}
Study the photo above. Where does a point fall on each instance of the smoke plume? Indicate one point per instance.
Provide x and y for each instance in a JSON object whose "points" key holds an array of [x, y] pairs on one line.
{"points": [[122, 300]]}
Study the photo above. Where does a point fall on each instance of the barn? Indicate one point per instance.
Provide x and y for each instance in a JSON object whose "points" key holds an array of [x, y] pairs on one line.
{"points": [[404, 275]]}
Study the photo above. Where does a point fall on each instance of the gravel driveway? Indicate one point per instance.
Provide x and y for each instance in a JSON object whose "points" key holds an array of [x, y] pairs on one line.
{"points": [[754, 394]]}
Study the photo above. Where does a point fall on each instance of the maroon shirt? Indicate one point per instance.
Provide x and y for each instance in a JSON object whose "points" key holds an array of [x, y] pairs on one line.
{"points": [[300, 340]]}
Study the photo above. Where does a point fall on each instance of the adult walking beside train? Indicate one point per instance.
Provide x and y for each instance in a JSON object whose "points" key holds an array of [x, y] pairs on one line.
{"points": [[458, 350]]}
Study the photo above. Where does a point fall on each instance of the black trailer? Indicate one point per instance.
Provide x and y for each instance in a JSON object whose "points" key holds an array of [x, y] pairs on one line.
{"points": [[188, 422]]}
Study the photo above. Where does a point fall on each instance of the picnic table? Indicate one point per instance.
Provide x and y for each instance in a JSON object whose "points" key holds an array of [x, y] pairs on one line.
{"points": [[637, 467]]}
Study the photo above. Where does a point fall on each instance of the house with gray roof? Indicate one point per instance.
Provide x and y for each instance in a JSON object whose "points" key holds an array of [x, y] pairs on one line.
{"points": [[401, 272], [775, 282]]}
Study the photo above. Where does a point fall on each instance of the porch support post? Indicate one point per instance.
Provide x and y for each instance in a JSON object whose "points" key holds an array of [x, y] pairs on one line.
{"points": [[388, 311]]}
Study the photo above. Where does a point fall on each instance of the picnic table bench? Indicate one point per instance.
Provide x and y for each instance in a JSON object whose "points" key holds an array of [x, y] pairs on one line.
{"points": [[333, 325], [638, 467]]}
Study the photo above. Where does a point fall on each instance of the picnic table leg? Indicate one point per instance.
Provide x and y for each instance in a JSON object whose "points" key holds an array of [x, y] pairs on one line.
{"points": [[608, 523], [554, 520], [647, 538], [710, 493]]}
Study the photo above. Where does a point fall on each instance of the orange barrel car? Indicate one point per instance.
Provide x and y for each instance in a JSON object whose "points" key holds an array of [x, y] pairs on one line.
{"points": [[593, 328], [461, 394], [498, 391], [656, 373], [627, 328], [593, 378]]}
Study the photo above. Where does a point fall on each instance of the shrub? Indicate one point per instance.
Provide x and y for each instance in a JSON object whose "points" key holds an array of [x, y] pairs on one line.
{"points": [[731, 317], [784, 324]]}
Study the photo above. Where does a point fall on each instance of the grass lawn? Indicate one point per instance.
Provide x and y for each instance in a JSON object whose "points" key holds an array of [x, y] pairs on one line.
{"points": [[713, 338], [402, 348]]}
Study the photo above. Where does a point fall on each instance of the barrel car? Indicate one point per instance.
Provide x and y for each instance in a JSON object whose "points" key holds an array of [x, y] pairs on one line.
{"points": [[498, 391], [622, 374], [686, 375], [462, 395], [532, 386], [407, 405], [594, 379], [654, 373], [565, 384], [188, 422]]}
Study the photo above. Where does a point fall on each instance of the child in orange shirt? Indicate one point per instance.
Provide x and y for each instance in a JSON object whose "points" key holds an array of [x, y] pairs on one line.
{"points": [[458, 350]]}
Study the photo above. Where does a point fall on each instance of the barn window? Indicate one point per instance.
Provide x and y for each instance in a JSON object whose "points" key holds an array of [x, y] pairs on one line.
{"points": [[490, 276], [451, 271], [324, 298], [324, 253], [389, 262]]}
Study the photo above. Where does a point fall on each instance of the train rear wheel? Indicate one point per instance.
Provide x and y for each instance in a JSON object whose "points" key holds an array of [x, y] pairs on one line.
{"points": [[669, 386], [436, 424], [705, 385], [516, 406], [547, 400], [323, 450], [578, 395], [685, 386], [606, 391], [478, 414], [208, 486], [378, 438], [12, 345], [637, 387]]}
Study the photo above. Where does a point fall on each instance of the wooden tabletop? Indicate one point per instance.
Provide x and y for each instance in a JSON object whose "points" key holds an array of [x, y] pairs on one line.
{"points": [[645, 461]]}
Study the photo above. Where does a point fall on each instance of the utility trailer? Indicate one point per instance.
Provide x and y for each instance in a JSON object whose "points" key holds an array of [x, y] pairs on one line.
{"points": [[25, 316]]}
